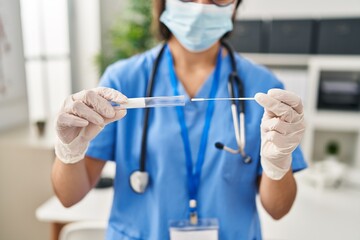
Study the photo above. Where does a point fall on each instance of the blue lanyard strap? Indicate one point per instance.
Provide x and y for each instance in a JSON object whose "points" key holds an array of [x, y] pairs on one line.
{"points": [[193, 175]]}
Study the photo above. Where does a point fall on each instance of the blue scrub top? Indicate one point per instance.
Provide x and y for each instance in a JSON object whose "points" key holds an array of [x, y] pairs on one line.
{"points": [[228, 186]]}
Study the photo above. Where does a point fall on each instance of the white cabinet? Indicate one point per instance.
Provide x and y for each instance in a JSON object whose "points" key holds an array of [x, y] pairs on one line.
{"points": [[301, 74], [318, 213], [342, 126]]}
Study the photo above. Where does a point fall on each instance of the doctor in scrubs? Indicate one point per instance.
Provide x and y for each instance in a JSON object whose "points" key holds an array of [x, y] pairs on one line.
{"points": [[219, 191]]}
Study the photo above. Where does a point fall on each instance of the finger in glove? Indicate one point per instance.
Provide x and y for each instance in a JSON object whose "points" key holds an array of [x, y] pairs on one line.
{"points": [[96, 102]]}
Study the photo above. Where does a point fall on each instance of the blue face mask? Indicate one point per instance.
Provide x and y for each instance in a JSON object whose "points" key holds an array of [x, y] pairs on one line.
{"points": [[197, 26]]}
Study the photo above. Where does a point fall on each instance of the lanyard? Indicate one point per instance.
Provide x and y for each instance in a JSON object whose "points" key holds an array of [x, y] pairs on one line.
{"points": [[194, 174]]}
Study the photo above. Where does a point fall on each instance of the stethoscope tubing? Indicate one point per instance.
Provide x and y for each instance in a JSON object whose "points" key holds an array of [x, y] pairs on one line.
{"points": [[149, 92], [139, 179]]}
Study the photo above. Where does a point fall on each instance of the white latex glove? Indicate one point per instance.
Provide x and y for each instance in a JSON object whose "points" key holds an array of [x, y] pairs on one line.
{"points": [[282, 128], [82, 116]]}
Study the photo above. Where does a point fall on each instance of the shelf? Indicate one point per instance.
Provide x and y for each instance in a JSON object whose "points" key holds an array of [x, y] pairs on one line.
{"points": [[346, 142], [344, 121], [289, 60], [295, 60]]}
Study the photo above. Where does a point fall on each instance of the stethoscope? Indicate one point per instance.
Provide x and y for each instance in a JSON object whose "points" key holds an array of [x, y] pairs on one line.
{"points": [[139, 179]]}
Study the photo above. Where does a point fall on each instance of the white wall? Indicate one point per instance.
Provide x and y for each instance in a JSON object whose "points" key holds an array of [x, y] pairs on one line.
{"points": [[13, 105], [298, 8], [46, 49], [85, 42], [90, 22]]}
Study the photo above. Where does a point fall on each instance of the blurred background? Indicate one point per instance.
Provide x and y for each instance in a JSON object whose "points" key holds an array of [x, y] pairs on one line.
{"points": [[52, 48]]}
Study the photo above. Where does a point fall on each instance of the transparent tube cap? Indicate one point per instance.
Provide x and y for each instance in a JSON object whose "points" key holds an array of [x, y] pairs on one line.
{"points": [[147, 102]]}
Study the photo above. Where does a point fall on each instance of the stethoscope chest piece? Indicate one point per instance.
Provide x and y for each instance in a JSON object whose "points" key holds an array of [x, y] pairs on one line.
{"points": [[139, 181]]}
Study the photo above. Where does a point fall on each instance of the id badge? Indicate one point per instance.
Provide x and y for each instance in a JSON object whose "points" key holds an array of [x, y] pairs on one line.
{"points": [[205, 229]]}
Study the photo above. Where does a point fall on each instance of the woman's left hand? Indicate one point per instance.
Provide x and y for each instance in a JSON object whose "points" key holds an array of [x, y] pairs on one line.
{"points": [[282, 129]]}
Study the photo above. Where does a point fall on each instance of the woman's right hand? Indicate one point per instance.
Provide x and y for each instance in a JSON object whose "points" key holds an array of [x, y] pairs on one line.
{"points": [[82, 116]]}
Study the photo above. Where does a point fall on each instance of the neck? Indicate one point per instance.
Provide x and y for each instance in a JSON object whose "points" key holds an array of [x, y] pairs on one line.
{"points": [[185, 59]]}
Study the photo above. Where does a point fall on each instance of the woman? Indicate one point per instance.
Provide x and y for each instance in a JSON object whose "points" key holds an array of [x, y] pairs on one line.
{"points": [[179, 143]]}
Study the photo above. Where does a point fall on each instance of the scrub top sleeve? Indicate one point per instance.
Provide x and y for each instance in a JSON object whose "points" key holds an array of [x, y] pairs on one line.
{"points": [[102, 147], [298, 160]]}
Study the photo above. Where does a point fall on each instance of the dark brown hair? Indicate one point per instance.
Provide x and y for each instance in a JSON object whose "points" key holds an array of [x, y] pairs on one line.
{"points": [[160, 30]]}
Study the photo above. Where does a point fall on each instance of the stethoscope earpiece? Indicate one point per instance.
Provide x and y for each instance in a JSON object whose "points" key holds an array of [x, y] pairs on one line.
{"points": [[246, 158], [219, 145], [139, 181]]}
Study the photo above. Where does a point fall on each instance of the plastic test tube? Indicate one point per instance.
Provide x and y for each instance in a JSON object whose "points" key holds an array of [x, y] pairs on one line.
{"points": [[147, 102]]}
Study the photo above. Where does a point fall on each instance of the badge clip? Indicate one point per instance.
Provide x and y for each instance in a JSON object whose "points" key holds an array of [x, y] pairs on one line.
{"points": [[193, 212]]}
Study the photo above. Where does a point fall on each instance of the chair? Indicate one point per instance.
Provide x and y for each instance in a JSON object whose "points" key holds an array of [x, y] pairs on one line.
{"points": [[84, 230]]}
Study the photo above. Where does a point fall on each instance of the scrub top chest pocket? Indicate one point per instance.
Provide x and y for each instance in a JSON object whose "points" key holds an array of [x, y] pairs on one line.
{"points": [[235, 170]]}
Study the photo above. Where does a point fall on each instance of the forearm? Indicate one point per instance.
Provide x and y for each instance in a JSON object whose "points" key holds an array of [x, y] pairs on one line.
{"points": [[71, 182], [277, 196], [81, 118]]}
